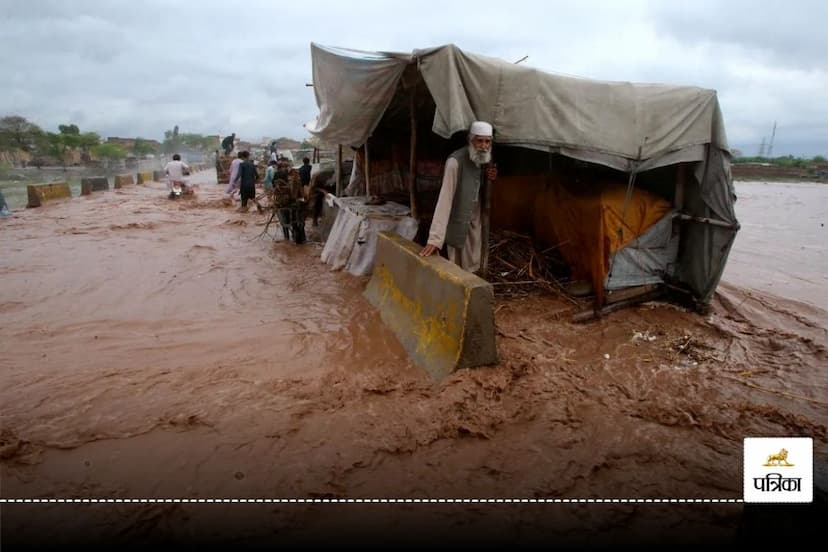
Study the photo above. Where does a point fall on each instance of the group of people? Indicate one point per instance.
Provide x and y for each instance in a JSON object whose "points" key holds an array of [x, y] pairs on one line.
{"points": [[243, 177], [456, 228], [244, 174]]}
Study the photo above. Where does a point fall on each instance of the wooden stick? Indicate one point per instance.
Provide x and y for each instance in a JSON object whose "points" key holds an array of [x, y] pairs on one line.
{"points": [[367, 177], [548, 249], [678, 203], [339, 170], [587, 315], [714, 222], [484, 220], [412, 159]]}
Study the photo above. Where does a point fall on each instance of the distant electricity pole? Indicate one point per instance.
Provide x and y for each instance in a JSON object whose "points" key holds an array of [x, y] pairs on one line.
{"points": [[762, 148], [770, 144]]}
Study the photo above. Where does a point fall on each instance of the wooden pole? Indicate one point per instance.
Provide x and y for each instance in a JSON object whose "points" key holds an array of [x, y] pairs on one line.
{"points": [[485, 204], [338, 170], [412, 159], [680, 183], [587, 315], [367, 172], [706, 220]]}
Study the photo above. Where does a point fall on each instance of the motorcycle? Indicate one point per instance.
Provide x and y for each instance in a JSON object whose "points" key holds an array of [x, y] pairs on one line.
{"points": [[179, 188]]}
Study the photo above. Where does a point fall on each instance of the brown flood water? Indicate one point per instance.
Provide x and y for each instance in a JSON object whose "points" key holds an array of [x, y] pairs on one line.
{"points": [[158, 349]]}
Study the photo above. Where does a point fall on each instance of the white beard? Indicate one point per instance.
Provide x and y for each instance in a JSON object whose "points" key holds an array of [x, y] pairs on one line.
{"points": [[479, 157]]}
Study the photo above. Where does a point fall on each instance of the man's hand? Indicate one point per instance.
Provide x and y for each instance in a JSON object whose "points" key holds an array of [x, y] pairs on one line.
{"points": [[491, 172], [429, 250]]}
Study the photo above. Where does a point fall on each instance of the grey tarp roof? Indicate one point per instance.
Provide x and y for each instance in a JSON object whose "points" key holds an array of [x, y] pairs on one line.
{"points": [[352, 89], [525, 105], [603, 122]]}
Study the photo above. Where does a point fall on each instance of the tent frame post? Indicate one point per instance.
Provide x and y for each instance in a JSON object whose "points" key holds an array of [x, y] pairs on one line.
{"points": [[367, 171], [412, 158], [678, 202], [485, 206], [338, 170]]}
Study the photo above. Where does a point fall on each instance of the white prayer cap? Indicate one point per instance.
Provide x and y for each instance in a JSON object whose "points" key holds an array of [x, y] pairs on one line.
{"points": [[480, 128]]}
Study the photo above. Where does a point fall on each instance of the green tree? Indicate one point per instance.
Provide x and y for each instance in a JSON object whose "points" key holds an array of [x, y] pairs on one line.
{"points": [[197, 142], [86, 142], [818, 159], [172, 142], [109, 152], [69, 129], [18, 133], [57, 145], [142, 147]]}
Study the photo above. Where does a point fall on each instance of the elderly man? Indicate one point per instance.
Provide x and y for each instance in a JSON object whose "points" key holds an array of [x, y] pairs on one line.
{"points": [[456, 221]]}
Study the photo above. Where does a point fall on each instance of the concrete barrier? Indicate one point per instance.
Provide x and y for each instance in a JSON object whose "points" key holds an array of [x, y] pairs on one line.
{"points": [[442, 315], [122, 180], [41, 193], [94, 184], [145, 177]]}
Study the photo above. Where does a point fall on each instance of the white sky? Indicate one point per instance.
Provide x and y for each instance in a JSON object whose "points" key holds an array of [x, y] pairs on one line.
{"points": [[136, 68]]}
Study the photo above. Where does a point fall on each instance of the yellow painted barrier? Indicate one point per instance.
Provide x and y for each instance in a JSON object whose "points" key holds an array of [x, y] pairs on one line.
{"points": [[442, 315], [41, 193], [145, 177], [122, 180]]}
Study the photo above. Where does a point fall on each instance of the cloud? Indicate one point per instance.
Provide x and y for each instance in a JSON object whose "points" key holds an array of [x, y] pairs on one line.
{"points": [[138, 68], [773, 32]]}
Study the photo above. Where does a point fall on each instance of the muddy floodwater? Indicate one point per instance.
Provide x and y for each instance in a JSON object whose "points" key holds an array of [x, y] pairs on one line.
{"points": [[161, 349], [782, 247]]}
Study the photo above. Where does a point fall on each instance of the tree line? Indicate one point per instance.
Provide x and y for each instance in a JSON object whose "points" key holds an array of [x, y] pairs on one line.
{"points": [[787, 161], [18, 133]]}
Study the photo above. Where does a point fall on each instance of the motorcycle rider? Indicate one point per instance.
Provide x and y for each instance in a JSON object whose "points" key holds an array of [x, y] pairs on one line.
{"points": [[175, 171]]}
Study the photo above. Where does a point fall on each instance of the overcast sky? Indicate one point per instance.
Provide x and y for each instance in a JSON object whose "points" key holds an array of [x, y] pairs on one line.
{"points": [[136, 68]]}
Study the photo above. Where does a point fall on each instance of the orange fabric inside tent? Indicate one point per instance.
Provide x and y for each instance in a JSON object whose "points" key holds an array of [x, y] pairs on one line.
{"points": [[588, 223]]}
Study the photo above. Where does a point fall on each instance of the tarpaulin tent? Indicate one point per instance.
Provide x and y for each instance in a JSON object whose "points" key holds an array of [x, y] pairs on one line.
{"points": [[633, 128]]}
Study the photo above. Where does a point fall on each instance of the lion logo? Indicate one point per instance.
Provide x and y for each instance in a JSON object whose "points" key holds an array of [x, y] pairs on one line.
{"points": [[779, 459]]}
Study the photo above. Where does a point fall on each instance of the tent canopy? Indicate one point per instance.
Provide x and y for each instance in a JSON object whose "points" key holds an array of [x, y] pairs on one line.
{"points": [[625, 126], [526, 106]]}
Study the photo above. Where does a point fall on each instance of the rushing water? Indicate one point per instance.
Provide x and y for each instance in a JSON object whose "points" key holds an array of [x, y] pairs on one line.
{"points": [[157, 348], [13, 182], [782, 247]]}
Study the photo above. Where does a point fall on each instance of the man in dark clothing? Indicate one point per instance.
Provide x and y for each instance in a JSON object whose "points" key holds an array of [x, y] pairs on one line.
{"points": [[228, 143], [317, 191], [247, 177], [305, 172]]}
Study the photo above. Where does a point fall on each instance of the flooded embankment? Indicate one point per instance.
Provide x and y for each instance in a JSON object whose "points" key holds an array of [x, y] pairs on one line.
{"points": [[160, 349]]}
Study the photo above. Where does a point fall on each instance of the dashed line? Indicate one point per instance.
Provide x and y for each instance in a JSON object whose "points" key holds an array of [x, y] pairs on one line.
{"points": [[372, 500]]}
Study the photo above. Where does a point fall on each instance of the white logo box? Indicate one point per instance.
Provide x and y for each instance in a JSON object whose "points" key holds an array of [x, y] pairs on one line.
{"points": [[778, 469]]}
